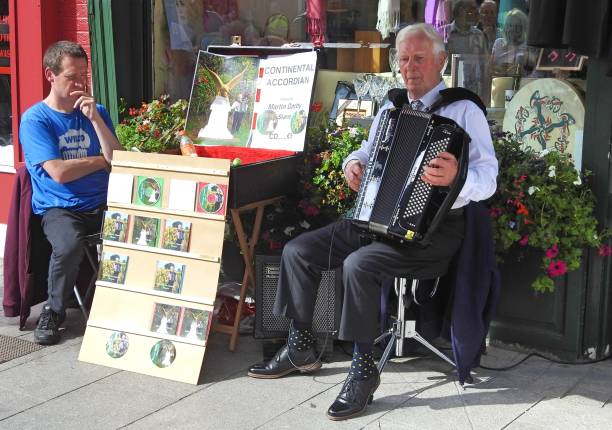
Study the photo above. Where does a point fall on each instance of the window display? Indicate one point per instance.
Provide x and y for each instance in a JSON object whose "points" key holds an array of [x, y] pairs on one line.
{"points": [[182, 28], [489, 36], [6, 131]]}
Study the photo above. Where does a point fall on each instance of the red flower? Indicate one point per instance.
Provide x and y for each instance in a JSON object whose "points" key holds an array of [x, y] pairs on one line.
{"points": [[517, 182], [316, 107], [521, 209], [604, 251], [556, 268], [552, 251], [524, 240], [156, 133]]}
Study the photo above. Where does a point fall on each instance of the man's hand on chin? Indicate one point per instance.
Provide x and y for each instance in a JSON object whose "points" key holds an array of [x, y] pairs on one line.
{"points": [[86, 103]]}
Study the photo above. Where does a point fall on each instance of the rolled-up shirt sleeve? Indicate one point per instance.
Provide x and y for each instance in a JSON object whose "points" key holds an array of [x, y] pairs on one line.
{"points": [[481, 181]]}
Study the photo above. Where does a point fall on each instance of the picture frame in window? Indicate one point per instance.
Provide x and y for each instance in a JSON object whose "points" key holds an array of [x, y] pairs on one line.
{"points": [[473, 72], [560, 59], [348, 109]]}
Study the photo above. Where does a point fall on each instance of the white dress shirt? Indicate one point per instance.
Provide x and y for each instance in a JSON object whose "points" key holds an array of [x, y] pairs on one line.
{"points": [[481, 180]]}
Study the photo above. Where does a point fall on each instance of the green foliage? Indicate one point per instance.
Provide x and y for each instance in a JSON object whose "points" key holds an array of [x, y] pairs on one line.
{"points": [[542, 202], [323, 193], [154, 127], [329, 149]]}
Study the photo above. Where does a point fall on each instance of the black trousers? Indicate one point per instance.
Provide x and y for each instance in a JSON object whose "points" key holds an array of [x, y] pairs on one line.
{"points": [[66, 232], [364, 268]]}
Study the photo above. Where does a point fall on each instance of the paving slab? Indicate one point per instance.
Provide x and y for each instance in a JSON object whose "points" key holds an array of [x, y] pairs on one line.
{"points": [[50, 388]]}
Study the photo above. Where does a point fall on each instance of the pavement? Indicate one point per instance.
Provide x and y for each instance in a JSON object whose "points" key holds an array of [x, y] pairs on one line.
{"points": [[51, 389]]}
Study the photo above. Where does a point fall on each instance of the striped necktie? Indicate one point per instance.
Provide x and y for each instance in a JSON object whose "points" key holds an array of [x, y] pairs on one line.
{"points": [[417, 105]]}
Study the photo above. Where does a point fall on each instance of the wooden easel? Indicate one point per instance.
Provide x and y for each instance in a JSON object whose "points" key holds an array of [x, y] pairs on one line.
{"points": [[247, 247]]}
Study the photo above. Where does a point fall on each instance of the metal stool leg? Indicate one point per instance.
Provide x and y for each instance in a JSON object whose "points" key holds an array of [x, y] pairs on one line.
{"points": [[90, 249], [403, 329], [396, 331], [81, 304]]}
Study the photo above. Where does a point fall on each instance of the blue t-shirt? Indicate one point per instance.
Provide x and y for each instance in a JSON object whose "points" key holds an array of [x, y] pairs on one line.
{"points": [[46, 134]]}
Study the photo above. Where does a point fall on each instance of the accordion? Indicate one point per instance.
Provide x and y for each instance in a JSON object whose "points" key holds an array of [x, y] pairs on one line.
{"points": [[393, 201]]}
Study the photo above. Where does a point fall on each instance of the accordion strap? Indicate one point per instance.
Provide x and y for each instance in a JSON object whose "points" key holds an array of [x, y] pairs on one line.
{"points": [[452, 95], [399, 97]]}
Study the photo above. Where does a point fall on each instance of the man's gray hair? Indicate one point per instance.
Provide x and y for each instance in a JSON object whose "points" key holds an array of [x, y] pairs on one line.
{"points": [[427, 30]]}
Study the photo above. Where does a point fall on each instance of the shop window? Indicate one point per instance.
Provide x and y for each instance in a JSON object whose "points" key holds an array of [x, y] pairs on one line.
{"points": [[6, 134], [487, 37], [181, 28]]}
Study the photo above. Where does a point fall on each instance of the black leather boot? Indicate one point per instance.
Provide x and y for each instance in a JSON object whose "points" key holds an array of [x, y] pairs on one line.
{"points": [[354, 397], [286, 362]]}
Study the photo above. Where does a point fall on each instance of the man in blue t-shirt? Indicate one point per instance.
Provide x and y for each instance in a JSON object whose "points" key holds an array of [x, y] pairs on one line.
{"points": [[68, 142]]}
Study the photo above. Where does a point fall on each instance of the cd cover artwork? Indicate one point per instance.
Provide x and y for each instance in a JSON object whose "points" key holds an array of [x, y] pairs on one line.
{"points": [[114, 267], [149, 191], [117, 344], [194, 324], [169, 276], [165, 319], [211, 198], [115, 226], [176, 235], [146, 231], [163, 353]]}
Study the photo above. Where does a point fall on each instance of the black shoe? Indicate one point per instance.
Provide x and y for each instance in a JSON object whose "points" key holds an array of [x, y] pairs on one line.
{"points": [[47, 328], [286, 362], [353, 398]]}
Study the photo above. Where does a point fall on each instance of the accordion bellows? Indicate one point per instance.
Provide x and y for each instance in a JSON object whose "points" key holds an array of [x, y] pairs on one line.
{"points": [[393, 201]]}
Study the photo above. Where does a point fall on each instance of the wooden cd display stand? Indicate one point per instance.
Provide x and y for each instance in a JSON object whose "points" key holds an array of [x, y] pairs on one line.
{"points": [[143, 319]]}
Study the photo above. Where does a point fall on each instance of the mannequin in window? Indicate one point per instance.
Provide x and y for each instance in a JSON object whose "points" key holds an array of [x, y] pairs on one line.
{"points": [[464, 38], [487, 22], [461, 35], [511, 51]]}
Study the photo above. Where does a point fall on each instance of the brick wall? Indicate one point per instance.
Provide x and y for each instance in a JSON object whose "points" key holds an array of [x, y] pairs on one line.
{"points": [[72, 23]]}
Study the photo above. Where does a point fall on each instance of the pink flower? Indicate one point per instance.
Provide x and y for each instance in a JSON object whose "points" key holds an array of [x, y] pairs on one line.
{"points": [[524, 240], [552, 251], [495, 212], [604, 251], [308, 208], [556, 268]]}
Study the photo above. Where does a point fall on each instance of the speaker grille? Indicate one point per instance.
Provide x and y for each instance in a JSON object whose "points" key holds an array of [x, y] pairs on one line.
{"points": [[327, 306]]}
